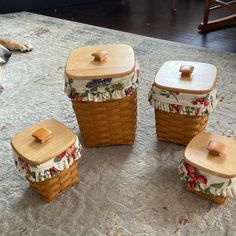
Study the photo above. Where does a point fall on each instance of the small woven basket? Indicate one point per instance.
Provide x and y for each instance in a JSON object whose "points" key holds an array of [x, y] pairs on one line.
{"points": [[47, 154], [209, 167], [178, 128], [107, 123], [51, 188]]}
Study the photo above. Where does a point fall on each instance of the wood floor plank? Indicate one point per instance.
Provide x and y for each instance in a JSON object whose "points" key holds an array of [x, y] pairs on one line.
{"points": [[152, 18]]}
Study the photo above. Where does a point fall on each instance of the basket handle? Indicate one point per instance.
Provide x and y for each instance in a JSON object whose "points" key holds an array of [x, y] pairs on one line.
{"points": [[215, 148], [42, 135], [186, 70], [100, 55]]}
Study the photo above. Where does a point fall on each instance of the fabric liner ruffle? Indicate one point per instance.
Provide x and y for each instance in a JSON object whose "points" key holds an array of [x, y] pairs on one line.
{"points": [[182, 103], [49, 169], [116, 88], [216, 186]]}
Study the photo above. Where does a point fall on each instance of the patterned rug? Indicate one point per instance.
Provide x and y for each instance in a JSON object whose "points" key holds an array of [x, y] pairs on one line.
{"points": [[124, 190]]}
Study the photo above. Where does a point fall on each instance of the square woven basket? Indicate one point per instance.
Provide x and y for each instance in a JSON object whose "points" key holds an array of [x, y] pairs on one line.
{"points": [[47, 154], [178, 128], [109, 122], [208, 167], [183, 94], [51, 188], [102, 82]]}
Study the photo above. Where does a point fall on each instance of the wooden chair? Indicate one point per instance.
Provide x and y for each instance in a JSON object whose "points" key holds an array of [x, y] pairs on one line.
{"points": [[220, 22]]}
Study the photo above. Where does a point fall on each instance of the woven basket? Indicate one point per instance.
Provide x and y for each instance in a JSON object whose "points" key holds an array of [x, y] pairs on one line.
{"points": [[216, 199], [51, 188], [107, 123], [178, 128]]}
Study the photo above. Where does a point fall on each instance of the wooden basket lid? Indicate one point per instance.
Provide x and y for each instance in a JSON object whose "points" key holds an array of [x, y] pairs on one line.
{"points": [[198, 155], [186, 76], [51, 138], [100, 61]]}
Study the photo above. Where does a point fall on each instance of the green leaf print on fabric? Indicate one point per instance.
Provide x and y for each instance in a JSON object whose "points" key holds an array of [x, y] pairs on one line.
{"points": [[167, 94], [108, 87], [57, 159], [207, 190], [189, 110], [212, 101], [115, 87], [164, 93], [218, 185]]}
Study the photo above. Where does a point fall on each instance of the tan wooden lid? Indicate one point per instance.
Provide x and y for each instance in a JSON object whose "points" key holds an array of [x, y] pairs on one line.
{"points": [[37, 152], [119, 61], [201, 79], [197, 155]]}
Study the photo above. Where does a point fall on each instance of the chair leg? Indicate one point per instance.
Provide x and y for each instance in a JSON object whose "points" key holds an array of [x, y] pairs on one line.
{"points": [[173, 5], [206, 12]]}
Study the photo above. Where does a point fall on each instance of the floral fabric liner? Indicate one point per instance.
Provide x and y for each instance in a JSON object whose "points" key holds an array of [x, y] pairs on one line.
{"points": [[100, 90], [49, 169], [183, 103], [207, 183]]}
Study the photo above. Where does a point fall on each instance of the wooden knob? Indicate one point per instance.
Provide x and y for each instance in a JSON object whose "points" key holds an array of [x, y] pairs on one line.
{"points": [[186, 70], [42, 135], [215, 148], [100, 55]]}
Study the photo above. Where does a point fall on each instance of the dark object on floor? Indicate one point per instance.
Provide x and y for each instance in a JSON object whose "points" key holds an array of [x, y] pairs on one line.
{"points": [[4, 54]]}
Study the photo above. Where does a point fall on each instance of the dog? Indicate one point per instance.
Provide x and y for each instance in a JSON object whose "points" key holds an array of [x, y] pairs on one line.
{"points": [[6, 48]]}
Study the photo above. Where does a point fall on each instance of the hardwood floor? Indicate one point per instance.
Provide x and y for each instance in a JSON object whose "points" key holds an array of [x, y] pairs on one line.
{"points": [[152, 18]]}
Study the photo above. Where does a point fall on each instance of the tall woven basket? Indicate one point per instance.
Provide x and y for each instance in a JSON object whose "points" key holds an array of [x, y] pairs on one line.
{"points": [[47, 154], [109, 122], [101, 82], [183, 95]]}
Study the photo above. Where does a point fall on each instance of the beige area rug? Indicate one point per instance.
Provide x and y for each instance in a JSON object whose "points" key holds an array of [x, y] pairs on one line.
{"points": [[124, 190]]}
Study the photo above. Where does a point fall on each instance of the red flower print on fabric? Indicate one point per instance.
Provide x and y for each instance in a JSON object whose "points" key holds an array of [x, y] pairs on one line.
{"points": [[138, 73], [203, 101], [61, 155], [194, 178], [175, 108]]}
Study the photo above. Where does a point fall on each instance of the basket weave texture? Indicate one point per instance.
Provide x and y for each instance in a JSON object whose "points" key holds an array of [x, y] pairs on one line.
{"points": [[178, 128], [51, 188], [216, 199], [109, 122]]}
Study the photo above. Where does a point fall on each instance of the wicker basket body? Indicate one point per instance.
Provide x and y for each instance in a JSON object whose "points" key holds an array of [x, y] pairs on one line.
{"points": [[216, 199], [107, 123], [51, 188], [178, 128]]}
